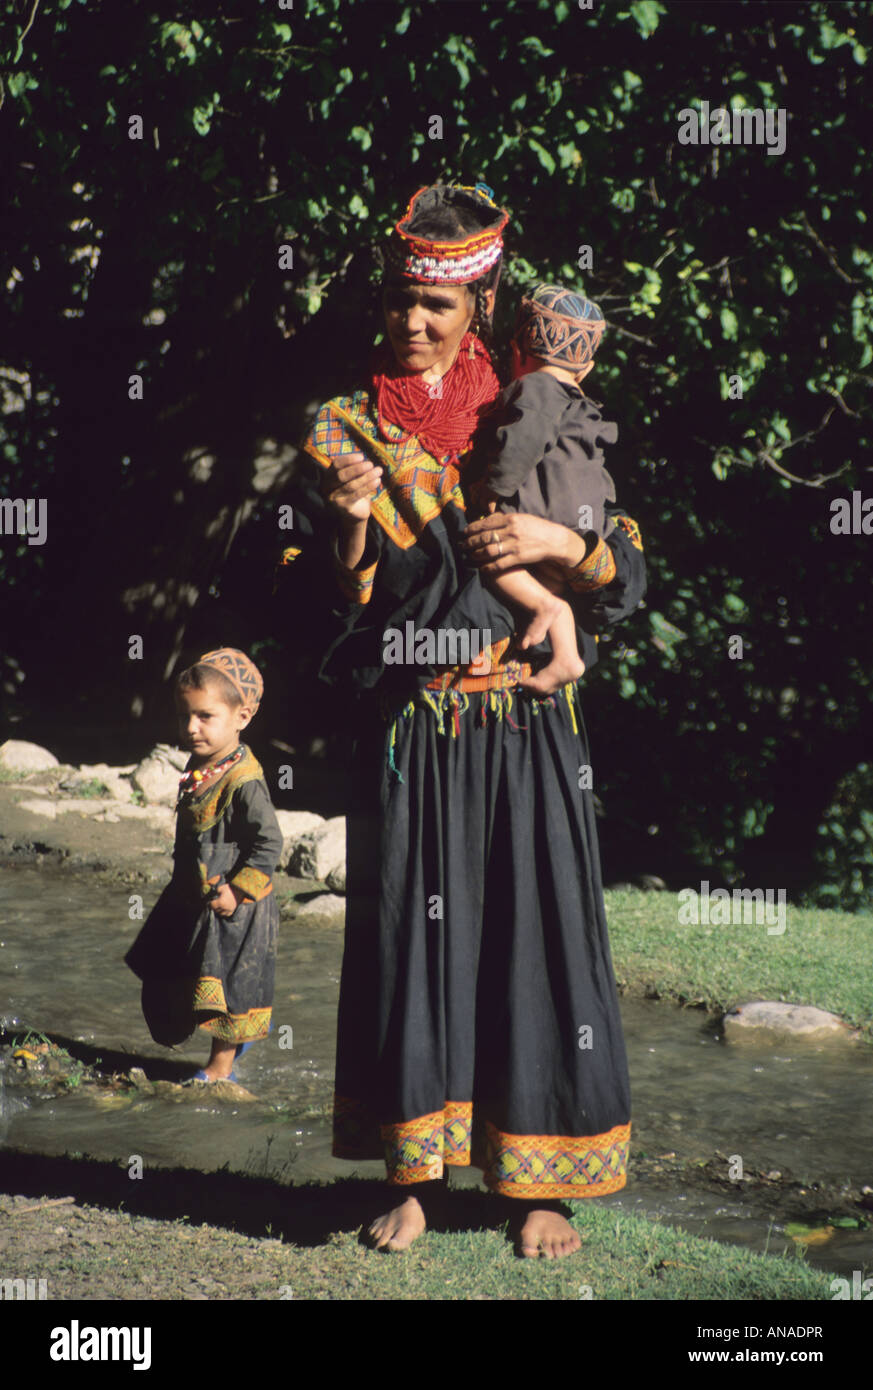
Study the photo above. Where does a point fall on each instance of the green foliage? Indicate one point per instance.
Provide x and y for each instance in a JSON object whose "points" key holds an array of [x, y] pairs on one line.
{"points": [[844, 857]]}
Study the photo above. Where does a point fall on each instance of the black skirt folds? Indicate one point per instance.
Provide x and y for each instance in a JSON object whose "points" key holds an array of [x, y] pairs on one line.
{"points": [[478, 1017]]}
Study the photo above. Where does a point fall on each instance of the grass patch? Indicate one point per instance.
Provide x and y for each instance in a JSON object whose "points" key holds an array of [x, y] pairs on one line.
{"points": [[822, 957], [93, 788], [623, 1257]]}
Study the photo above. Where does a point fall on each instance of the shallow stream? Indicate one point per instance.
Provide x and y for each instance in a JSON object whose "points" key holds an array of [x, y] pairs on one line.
{"points": [[807, 1113]]}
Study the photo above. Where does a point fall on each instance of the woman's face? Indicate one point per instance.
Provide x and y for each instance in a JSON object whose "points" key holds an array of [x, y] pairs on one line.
{"points": [[426, 323]]}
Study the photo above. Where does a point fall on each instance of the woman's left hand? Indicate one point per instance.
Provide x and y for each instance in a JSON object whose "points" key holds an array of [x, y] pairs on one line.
{"points": [[506, 539]]}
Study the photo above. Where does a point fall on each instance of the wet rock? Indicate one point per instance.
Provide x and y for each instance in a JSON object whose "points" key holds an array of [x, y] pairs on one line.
{"points": [[769, 1019], [200, 1091], [336, 879], [325, 905], [157, 776], [228, 1090], [294, 825], [18, 756], [320, 851], [140, 1080]]}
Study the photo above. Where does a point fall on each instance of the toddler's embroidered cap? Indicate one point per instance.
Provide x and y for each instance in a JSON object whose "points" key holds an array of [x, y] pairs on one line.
{"points": [[559, 327], [240, 670]]}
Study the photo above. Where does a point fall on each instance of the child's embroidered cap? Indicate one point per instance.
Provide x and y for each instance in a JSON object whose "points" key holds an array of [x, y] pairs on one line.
{"points": [[559, 327], [242, 673]]}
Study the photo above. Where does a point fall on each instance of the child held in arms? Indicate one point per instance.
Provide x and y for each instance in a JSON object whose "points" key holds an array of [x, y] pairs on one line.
{"points": [[539, 453], [206, 954]]}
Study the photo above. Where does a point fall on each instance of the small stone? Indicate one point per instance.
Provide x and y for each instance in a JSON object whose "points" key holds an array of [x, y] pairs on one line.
{"points": [[321, 851], [773, 1176], [139, 1079], [325, 905], [294, 825], [157, 776], [18, 756], [766, 1020]]}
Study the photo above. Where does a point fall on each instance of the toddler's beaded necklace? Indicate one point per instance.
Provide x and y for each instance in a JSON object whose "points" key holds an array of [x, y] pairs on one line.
{"points": [[196, 777]]}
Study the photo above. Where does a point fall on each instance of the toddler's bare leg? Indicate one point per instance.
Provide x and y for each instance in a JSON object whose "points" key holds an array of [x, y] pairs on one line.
{"points": [[566, 663], [521, 588], [220, 1064]]}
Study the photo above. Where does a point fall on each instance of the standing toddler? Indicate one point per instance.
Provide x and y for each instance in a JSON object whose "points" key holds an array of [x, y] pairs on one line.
{"points": [[207, 953]]}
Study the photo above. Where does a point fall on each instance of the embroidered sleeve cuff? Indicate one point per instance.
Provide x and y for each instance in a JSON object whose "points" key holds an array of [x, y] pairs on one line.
{"points": [[253, 883], [357, 585], [595, 571]]}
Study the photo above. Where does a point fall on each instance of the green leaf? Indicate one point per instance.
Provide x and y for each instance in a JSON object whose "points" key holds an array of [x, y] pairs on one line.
{"points": [[543, 156], [536, 45], [647, 14], [728, 323]]}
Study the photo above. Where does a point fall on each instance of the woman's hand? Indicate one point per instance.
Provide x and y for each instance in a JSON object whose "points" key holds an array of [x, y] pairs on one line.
{"points": [[349, 484], [506, 539]]}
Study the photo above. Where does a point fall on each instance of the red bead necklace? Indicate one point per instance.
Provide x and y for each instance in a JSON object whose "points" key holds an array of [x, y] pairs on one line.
{"points": [[441, 415]]}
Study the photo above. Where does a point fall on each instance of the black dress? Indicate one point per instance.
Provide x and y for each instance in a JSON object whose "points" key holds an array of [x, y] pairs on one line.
{"points": [[197, 967], [478, 1016]]}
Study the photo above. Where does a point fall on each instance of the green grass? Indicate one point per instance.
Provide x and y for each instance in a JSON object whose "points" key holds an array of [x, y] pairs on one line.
{"points": [[93, 788], [822, 958], [623, 1257]]}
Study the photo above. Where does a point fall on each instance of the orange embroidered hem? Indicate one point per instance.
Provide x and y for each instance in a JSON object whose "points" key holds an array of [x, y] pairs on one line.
{"points": [[247, 1027], [552, 1166], [544, 1166]]}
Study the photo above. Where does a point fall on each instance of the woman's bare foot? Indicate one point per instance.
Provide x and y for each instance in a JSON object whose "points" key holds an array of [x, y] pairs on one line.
{"points": [[550, 678], [398, 1228], [548, 1235]]}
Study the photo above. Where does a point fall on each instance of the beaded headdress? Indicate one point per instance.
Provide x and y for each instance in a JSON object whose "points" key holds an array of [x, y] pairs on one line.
{"points": [[450, 262], [242, 673], [559, 327]]}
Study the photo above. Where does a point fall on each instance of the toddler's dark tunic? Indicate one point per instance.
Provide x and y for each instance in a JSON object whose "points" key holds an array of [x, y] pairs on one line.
{"points": [[197, 967], [542, 452]]}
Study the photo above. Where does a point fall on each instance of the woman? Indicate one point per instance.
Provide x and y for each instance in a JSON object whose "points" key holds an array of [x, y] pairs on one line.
{"points": [[478, 1018]]}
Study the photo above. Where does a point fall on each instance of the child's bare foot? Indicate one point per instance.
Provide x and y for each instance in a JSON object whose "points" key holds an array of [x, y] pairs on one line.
{"points": [[541, 621], [550, 678], [398, 1228], [548, 1235]]}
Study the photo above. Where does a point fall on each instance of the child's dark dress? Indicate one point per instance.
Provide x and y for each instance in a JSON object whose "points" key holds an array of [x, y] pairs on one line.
{"points": [[197, 967], [542, 452]]}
